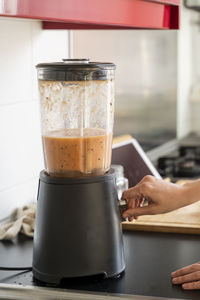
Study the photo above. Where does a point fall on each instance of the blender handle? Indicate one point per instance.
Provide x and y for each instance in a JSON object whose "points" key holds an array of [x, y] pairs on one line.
{"points": [[122, 208]]}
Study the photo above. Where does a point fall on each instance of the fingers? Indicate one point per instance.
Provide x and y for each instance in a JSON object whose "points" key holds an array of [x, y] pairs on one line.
{"points": [[142, 189], [139, 211], [195, 276], [133, 204], [186, 270], [188, 276], [135, 199], [131, 193], [191, 286]]}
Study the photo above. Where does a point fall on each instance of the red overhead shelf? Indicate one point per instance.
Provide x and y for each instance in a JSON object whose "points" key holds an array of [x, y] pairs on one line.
{"points": [[96, 14]]}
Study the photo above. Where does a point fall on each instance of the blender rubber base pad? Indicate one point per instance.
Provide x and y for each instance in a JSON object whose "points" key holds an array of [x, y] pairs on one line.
{"points": [[78, 228]]}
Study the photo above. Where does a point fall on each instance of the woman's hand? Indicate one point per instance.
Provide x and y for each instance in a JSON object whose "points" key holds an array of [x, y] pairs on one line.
{"points": [[188, 277], [161, 197]]}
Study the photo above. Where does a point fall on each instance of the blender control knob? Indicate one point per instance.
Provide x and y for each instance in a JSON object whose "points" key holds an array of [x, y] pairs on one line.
{"points": [[122, 208]]}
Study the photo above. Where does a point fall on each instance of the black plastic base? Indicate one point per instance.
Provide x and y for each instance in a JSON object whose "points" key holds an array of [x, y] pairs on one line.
{"points": [[78, 228]]}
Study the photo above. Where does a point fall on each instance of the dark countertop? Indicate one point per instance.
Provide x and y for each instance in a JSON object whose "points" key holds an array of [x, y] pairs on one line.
{"points": [[150, 258]]}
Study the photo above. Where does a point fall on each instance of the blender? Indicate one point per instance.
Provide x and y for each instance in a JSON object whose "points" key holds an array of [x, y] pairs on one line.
{"points": [[78, 224]]}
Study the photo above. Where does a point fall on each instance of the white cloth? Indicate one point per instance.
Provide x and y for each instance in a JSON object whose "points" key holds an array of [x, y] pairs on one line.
{"points": [[21, 220]]}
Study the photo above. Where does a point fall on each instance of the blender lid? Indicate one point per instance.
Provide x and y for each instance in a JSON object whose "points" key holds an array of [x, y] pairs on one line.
{"points": [[77, 63], [75, 70]]}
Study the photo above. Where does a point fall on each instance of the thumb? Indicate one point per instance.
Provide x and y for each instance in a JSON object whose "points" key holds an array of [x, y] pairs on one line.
{"points": [[139, 211]]}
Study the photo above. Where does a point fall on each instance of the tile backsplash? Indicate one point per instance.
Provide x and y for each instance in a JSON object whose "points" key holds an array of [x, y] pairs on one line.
{"points": [[23, 45]]}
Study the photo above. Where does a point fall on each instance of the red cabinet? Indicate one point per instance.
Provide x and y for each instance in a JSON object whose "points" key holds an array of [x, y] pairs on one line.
{"points": [[94, 14]]}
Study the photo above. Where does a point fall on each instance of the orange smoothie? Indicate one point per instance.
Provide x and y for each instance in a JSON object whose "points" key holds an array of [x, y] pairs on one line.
{"points": [[67, 154]]}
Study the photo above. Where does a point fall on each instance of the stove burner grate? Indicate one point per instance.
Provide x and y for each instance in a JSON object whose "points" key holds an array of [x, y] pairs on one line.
{"points": [[185, 165]]}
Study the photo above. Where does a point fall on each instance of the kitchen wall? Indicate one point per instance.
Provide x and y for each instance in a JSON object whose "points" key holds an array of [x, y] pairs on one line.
{"points": [[188, 100], [184, 75], [23, 44], [194, 95], [146, 79]]}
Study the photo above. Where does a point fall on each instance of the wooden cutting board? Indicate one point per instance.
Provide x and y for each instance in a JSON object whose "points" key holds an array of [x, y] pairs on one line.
{"points": [[183, 220]]}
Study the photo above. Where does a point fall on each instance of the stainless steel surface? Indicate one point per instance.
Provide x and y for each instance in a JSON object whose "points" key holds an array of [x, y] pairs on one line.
{"points": [[162, 150], [169, 147], [16, 292]]}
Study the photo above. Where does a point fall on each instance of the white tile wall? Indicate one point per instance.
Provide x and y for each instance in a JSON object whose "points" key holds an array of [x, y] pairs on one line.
{"points": [[47, 46], [23, 44], [185, 56], [195, 86], [21, 153], [184, 75], [17, 196], [15, 61]]}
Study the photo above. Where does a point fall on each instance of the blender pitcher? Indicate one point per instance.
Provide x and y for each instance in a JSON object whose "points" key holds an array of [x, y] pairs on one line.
{"points": [[78, 210], [77, 111]]}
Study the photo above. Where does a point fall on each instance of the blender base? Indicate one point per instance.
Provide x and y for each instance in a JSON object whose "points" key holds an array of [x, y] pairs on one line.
{"points": [[78, 228]]}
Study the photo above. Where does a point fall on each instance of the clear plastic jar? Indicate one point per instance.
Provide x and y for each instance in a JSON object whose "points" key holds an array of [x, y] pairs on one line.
{"points": [[77, 112], [121, 181]]}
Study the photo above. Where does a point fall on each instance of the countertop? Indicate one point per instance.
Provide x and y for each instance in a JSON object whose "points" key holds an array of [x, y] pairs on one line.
{"points": [[150, 258]]}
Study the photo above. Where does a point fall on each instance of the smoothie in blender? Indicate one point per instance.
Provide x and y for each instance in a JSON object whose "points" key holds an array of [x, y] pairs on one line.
{"points": [[69, 153]]}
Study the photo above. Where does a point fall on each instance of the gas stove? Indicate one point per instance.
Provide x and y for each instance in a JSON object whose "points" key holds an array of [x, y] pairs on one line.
{"points": [[181, 164]]}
